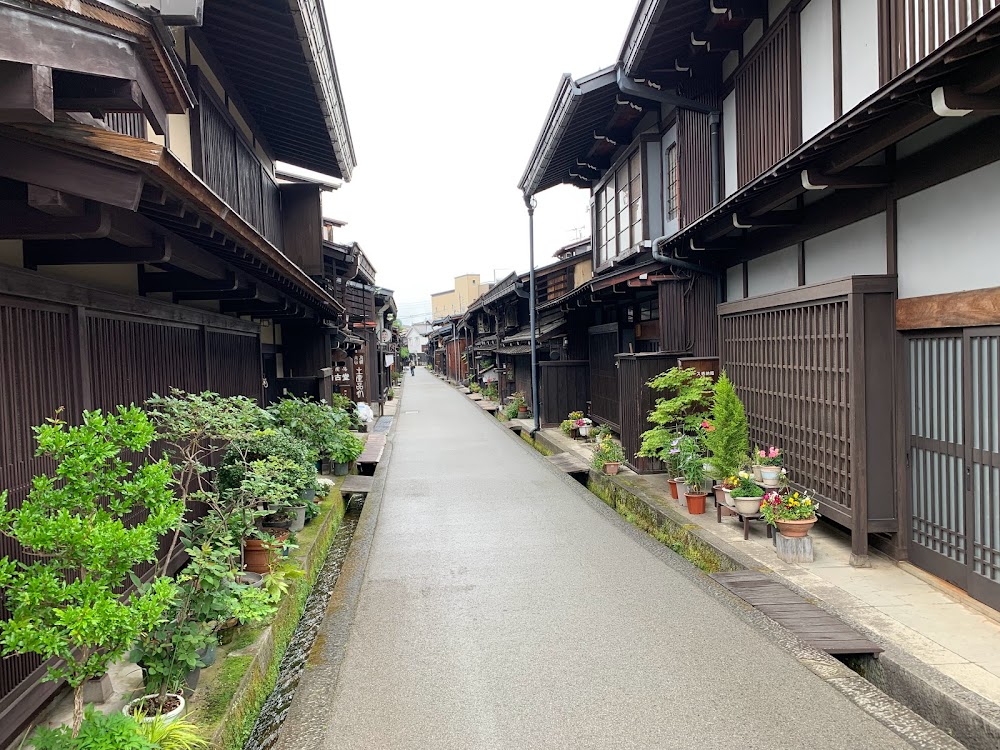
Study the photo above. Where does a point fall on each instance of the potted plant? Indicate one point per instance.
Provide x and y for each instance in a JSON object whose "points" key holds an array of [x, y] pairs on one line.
{"points": [[769, 462], [608, 457], [344, 451], [73, 612], [747, 494], [792, 514], [522, 404], [725, 489], [583, 426], [692, 466], [725, 432]]}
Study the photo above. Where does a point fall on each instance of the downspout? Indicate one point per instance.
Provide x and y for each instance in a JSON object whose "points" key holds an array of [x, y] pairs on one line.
{"points": [[530, 203]]}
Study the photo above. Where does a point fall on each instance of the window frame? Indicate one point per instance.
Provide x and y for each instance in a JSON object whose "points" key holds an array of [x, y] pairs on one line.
{"points": [[669, 143], [637, 207]]}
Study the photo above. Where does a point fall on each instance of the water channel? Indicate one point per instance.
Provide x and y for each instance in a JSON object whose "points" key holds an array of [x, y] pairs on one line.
{"points": [[268, 725]]}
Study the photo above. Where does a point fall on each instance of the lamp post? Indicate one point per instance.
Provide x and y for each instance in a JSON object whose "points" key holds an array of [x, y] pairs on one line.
{"points": [[530, 203]]}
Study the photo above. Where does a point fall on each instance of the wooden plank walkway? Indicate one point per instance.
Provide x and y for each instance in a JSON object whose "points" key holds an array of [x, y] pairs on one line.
{"points": [[569, 463], [476, 396], [356, 485], [372, 454], [491, 406], [813, 625]]}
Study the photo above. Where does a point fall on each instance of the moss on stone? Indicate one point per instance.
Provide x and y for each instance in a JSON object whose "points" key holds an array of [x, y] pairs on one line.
{"points": [[235, 688]]}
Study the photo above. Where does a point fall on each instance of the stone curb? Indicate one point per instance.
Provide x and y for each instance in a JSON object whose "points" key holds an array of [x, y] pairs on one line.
{"points": [[319, 684], [896, 715]]}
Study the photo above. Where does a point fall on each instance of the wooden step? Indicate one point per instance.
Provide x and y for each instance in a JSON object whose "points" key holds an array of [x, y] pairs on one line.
{"points": [[569, 463], [356, 485]]}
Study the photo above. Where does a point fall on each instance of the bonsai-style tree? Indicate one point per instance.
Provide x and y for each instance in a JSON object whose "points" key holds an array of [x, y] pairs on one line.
{"points": [[86, 528], [726, 432], [682, 413]]}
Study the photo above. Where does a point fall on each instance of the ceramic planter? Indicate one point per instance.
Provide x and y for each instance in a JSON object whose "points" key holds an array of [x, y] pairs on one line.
{"points": [[299, 522], [695, 502], [756, 472], [796, 528], [747, 506], [769, 475], [341, 469], [253, 580], [167, 717], [307, 495], [673, 489], [611, 468], [584, 431]]}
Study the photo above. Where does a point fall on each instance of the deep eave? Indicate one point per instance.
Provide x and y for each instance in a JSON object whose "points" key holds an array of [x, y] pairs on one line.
{"points": [[279, 55], [166, 177], [578, 117]]}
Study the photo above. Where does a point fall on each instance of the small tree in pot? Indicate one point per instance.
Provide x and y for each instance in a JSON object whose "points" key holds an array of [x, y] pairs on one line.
{"points": [[80, 527], [726, 431], [692, 465]]}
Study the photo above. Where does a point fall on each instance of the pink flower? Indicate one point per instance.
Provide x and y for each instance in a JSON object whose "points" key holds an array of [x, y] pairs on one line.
{"points": [[761, 454], [773, 453]]}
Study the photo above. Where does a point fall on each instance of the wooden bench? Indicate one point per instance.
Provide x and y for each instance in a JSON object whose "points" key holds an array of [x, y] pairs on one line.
{"points": [[372, 454], [813, 625], [356, 484], [569, 463]]}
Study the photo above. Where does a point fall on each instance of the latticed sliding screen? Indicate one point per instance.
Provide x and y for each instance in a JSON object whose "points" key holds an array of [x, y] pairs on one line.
{"points": [[790, 366]]}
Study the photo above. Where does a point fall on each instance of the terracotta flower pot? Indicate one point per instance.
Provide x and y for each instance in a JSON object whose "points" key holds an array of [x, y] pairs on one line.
{"points": [[257, 556], [522, 409], [673, 489], [695, 502], [796, 528], [611, 468]]}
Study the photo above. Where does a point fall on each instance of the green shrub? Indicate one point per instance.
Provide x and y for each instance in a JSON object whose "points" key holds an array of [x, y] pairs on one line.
{"points": [[726, 437], [98, 731]]}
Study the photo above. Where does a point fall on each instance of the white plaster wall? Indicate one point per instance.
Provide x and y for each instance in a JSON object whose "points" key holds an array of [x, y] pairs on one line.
{"points": [[774, 272], [859, 50], [816, 22], [734, 283], [855, 250], [947, 235], [729, 142], [180, 138]]}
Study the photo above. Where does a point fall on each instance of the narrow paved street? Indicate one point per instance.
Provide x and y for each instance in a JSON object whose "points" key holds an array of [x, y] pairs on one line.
{"points": [[504, 608]]}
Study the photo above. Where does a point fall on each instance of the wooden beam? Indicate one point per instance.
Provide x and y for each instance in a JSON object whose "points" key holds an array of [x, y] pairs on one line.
{"points": [[878, 137], [256, 308], [182, 281], [35, 165], [767, 221], [749, 10], [91, 252], [25, 92], [246, 293], [952, 101], [979, 307], [55, 203], [856, 178], [80, 92]]}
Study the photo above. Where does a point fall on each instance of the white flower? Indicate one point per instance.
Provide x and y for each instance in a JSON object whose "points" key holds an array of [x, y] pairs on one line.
{"points": [[783, 472]]}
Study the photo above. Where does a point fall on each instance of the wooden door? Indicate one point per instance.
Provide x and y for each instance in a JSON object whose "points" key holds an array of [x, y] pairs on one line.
{"points": [[604, 404], [953, 457]]}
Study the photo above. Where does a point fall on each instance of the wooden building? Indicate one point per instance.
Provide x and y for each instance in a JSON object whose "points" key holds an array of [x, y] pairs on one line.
{"points": [[146, 241], [827, 169]]}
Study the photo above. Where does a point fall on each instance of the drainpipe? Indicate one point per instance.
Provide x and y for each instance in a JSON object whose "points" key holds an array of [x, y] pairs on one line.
{"points": [[530, 203], [714, 149]]}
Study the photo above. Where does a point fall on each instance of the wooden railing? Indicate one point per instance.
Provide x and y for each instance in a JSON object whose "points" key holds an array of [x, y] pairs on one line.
{"points": [[768, 110], [921, 26]]}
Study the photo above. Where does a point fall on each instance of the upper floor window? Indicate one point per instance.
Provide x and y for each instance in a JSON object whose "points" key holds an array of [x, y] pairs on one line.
{"points": [[672, 184], [618, 207]]}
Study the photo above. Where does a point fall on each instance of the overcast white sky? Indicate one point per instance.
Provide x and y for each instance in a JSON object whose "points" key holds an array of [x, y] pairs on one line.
{"points": [[445, 100]]}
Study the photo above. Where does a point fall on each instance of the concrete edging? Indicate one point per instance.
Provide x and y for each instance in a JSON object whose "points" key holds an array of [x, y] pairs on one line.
{"points": [[315, 692], [923, 697]]}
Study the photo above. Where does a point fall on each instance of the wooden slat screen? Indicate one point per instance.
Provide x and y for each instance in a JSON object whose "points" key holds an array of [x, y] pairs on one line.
{"points": [[790, 367], [694, 154], [127, 123], [217, 150], [767, 102], [562, 387], [637, 400], [984, 355], [604, 406], [921, 26], [42, 348]]}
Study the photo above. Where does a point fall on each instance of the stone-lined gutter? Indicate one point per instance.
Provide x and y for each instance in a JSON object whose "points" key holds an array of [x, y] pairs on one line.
{"points": [[232, 691], [920, 704]]}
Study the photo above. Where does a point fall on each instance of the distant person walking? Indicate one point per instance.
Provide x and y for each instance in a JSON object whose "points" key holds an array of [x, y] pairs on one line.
{"points": [[413, 368]]}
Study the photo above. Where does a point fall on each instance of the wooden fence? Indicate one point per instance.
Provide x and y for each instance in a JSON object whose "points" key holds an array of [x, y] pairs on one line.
{"points": [[921, 26], [563, 387], [62, 346], [815, 370], [637, 400]]}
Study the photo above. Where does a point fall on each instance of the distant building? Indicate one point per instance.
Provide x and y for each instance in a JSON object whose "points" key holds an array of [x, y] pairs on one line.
{"points": [[416, 339], [456, 301]]}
